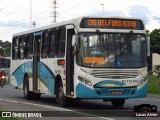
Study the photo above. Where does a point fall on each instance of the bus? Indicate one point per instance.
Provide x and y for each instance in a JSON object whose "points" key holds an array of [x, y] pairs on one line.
{"points": [[4, 69], [84, 58]]}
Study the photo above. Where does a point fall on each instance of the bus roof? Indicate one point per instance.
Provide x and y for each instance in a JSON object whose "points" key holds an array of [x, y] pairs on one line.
{"points": [[75, 22]]}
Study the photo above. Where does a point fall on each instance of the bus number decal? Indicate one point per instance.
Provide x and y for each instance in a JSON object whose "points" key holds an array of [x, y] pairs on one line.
{"points": [[112, 23], [92, 22], [98, 60]]}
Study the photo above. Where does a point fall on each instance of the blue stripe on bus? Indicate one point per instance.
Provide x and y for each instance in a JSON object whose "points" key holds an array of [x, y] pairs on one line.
{"points": [[83, 91], [112, 82], [45, 74]]}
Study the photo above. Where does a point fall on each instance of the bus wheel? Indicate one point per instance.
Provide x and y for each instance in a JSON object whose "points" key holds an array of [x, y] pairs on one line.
{"points": [[60, 97], [26, 92], [118, 102], [36, 96]]}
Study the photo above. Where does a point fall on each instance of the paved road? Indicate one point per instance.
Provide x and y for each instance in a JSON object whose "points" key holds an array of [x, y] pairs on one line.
{"points": [[11, 99]]}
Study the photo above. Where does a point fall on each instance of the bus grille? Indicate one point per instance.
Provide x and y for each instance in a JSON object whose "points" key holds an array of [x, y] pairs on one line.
{"points": [[125, 91], [115, 74]]}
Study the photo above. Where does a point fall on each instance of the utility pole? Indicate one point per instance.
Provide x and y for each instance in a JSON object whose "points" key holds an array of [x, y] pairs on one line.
{"points": [[30, 14], [103, 8], [54, 13]]}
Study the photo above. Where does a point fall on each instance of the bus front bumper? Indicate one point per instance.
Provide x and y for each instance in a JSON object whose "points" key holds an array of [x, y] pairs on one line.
{"points": [[83, 91]]}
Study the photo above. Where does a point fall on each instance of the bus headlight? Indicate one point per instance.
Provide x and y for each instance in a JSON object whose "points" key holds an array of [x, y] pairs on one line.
{"points": [[142, 81], [81, 79], [88, 82]]}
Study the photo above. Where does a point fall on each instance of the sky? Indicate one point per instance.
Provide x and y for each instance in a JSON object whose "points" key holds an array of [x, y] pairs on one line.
{"points": [[15, 15]]}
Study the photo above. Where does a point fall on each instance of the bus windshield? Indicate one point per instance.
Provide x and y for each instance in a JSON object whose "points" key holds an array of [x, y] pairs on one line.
{"points": [[111, 50]]}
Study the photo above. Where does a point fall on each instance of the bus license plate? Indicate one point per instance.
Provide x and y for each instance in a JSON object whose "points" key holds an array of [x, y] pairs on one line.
{"points": [[115, 92]]}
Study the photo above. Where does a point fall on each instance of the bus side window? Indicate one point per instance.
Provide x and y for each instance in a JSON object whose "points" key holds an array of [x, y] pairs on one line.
{"points": [[61, 41], [15, 48], [52, 50], [29, 46], [45, 43], [21, 47]]}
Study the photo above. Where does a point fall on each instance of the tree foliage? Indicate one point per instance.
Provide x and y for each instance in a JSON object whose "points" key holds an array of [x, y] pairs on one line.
{"points": [[5, 48], [155, 40]]}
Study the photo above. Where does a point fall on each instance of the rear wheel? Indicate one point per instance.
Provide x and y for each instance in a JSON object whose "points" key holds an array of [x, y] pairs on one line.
{"points": [[27, 94], [118, 102], [36, 96]]}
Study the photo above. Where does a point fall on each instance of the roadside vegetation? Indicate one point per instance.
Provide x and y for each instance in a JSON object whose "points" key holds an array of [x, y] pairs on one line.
{"points": [[153, 85]]}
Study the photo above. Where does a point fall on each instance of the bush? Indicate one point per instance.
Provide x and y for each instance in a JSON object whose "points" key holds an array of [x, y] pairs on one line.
{"points": [[153, 87]]}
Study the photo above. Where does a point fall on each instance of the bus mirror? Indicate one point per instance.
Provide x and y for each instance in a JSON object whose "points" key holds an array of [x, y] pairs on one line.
{"points": [[73, 40], [148, 45]]}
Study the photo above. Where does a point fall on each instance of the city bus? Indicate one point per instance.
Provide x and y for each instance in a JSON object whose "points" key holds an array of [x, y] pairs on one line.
{"points": [[84, 58], [4, 69]]}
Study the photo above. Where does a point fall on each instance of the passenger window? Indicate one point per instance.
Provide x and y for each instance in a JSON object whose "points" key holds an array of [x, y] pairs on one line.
{"points": [[21, 47], [45, 44], [52, 43], [61, 41], [29, 46], [15, 48]]}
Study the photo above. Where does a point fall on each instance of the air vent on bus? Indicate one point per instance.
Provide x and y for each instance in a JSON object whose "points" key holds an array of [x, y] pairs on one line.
{"points": [[115, 74]]}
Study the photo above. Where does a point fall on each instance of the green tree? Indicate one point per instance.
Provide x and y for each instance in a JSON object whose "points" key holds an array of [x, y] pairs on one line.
{"points": [[5, 46], [147, 32], [155, 40]]}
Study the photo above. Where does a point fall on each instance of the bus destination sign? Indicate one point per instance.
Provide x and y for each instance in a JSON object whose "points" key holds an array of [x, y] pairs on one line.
{"points": [[111, 23]]}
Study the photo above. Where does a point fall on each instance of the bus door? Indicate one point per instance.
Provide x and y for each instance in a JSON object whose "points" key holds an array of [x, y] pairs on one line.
{"points": [[70, 62], [36, 59]]}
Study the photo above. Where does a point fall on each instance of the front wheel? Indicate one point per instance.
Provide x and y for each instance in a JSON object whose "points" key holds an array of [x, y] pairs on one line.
{"points": [[60, 97], [118, 102]]}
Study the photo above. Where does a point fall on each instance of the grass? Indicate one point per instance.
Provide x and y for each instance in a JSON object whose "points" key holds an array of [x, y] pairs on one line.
{"points": [[153, 85]]}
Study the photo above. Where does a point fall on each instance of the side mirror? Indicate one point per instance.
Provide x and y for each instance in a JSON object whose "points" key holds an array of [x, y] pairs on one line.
{"points": [[148, 46]]}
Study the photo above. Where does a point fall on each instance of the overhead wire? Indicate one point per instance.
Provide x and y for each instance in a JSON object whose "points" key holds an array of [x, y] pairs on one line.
{"points": [[44, 12]]}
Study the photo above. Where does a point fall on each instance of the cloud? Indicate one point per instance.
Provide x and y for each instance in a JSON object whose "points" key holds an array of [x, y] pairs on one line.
{"points": [[16, 24], [140, 12], [115, 13], [157, 19]]}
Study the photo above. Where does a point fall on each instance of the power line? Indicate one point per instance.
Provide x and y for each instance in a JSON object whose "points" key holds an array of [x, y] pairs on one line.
{"points": [[112, 12]]}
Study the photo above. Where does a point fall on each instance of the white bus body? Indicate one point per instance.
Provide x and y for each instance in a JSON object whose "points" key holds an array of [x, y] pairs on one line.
{"points": [[88, 57]]}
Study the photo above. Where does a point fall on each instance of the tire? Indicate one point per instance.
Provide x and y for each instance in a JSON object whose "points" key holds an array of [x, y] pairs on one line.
{"points": [[118, 103], [36, 96], [27, 94], [60, 97]]}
